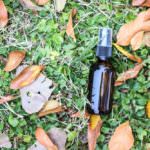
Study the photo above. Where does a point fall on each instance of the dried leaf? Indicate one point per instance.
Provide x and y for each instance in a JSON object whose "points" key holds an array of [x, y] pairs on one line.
{"points": [[122, 139], [137, 40], [3, 14], [141, 3], [146, 39], [14, 60], [43, 138], [94, 131], [69, 29], [37, 146], [4, 99], [51, 106], [28, 4], [148, 109], [4, 141], [127, 31], [80, 115], [130, 56], [59, 137], [41, 2], [26, 77], [59, 5], [129, 74]]}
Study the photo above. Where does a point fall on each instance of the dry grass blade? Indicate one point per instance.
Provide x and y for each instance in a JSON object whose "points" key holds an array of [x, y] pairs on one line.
{"points": [[94, 131], [70, 30], [122, 139], [127, 54], [3, 14]]}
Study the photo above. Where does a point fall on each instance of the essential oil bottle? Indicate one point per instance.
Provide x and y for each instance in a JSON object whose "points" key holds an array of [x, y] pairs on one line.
{"points": [[101, 77]]}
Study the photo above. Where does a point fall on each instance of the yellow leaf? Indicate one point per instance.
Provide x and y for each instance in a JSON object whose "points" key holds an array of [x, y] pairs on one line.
{"points": [[148, 109]]}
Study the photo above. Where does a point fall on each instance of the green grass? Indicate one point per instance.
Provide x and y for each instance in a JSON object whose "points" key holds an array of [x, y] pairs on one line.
{"points": [[67, 63]]}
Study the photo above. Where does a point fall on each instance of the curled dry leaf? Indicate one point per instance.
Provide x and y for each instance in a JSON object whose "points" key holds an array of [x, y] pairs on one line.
{"points": [[137, 40], [59, 5], [28, 4], [130, 56], [4, 99], [51, 106], [14, 60], [129, 74], [70, 30], [4, 141], [26, 77], [94, 127], [127, 31], [59, 137], [41, 2], [3, 14], [43, 138], [148, 109], [122, 139], [146, 39], [141, 3], [80, 115]]}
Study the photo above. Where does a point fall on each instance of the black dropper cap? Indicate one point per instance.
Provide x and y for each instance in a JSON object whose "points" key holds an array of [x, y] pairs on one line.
{"points": [[104, 47]]}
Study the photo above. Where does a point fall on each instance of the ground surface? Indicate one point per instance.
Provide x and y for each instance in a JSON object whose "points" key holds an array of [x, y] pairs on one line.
{"points": [[67, 63]]}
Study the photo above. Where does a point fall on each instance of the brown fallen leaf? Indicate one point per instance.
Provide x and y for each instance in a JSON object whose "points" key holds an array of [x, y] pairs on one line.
{"points": [[59, 137], [126, 53], [146, 39], [127, 31], [3, 14], [4, 141], [26, 77], [52, 106], [137, 40], [122, 139], [129, 74], [94, 127], [69, 29], [80, 115], [14, 60], [28, 4], [141, 3], [4, 99], [148, 109], [41, 2], [59, 5], [43, 138]]}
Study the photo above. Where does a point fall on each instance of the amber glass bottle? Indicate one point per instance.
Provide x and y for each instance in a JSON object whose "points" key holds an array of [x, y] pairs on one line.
{"points": [[101, 77]]}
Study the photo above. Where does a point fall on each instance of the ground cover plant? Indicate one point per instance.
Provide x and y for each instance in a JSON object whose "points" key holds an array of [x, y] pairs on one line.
{"points": [[41, 33]]}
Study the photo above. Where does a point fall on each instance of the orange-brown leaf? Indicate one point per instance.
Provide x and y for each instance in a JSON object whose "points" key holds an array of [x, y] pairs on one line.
{"points": [[94, 127], [51, 106], [141, 3], [4, 99], [44, 139], [137, 40], [14, 60], [122, 139], [129, 74], [127, 31], [26, 77], [80, 115], [148, 109], [130, 56], [3, 14], [41, 2], [146, 39], [70, 30]]}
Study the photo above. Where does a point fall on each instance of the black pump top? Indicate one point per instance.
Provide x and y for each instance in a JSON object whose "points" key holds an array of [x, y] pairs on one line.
{"points": [[104, 47]]}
